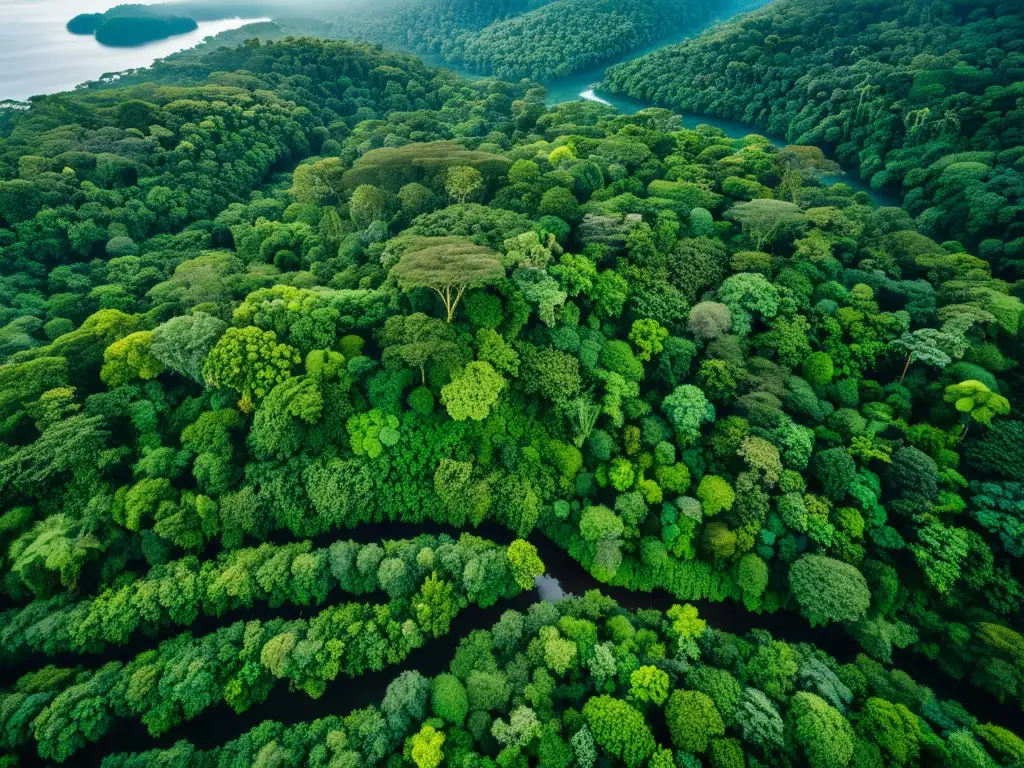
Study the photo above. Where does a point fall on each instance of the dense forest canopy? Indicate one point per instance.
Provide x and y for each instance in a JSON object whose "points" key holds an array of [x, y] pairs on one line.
{"points": [[584, 680], [428, 24], [564, 36], [540, 39], [919, 95], [258, 298]]}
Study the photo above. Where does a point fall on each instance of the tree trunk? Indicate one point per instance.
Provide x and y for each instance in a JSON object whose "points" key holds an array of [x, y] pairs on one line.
{"points": [[446, 298], [450, 303], [905, 367]]}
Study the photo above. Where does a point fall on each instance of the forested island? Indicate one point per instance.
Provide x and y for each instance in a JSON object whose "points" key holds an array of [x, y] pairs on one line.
{"points": [[315, 359], [129, 25]]}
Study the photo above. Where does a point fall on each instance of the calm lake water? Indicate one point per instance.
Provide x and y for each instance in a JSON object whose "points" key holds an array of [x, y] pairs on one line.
{"points": [[38, 55]]}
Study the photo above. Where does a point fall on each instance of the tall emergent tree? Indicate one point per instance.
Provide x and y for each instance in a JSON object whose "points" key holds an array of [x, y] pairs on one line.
{"points": [[763, 220], [977, 401], [448, 266]]}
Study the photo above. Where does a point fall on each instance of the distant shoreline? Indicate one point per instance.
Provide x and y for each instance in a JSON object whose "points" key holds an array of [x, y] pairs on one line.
{"points": [[56, 61]]}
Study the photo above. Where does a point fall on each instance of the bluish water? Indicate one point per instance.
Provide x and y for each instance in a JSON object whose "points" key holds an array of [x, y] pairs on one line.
{"points": [[584, 85], [731, 128], [38, 55]]}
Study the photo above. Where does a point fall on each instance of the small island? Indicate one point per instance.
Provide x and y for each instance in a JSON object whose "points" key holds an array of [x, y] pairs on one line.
{"points": [[131, 25], [86, 23]]}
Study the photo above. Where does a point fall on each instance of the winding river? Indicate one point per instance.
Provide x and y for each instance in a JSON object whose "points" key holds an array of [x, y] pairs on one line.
{"points": [[585, 84], [564, 577]]}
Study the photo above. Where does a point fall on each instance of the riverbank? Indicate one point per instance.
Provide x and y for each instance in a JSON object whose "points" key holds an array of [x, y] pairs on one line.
{"points": [[586, 83], [564, 577]]}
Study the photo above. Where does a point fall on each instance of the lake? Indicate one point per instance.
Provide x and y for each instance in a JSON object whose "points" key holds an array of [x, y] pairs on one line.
{"points": [[38, 55]]}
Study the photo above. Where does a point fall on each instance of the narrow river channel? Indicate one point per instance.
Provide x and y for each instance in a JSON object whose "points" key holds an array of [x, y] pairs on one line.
{"points": [[585, 85], [564, 577]]}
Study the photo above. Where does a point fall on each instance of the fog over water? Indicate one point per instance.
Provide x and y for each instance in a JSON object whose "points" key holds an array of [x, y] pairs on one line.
{"points": [[38, 55]]}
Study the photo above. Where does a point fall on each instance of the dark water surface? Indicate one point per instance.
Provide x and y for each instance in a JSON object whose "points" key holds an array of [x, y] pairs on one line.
{"points": [[563, 577]]}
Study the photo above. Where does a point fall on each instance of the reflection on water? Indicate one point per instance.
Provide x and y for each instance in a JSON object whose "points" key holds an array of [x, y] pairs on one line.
{"points": [[550, 589]]}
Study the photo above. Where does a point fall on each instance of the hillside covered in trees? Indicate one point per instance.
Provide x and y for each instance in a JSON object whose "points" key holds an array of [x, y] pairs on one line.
{"points": [[256, 301], [526, 38], [564, 36], [919, 95]]}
